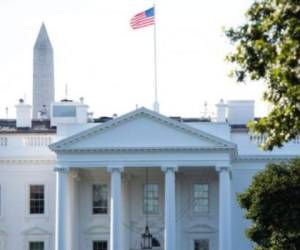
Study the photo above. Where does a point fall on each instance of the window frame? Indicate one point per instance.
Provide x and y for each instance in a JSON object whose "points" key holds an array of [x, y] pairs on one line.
{"points": [[194, 212], [92, 199], [144, 213], [40, 236], [45, 214], [42, 200]]}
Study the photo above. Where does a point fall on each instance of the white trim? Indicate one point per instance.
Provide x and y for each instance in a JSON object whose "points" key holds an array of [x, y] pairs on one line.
{"points": [[37, 234], [96, 230], [96, 233], [90, 240], [36, 238], [211, 236], [144, 163], [146, 149], [26, 161], [266, 157]]}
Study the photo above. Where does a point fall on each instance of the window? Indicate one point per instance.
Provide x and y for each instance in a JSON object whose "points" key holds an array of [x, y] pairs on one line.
{"points": [[37, 199], [201, 244], [36, 245], [100, 245], [200, 196], [100, 199], [151, 199], [64, 111]]}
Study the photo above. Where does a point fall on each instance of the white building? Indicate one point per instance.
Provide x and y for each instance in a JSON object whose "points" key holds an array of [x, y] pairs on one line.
{"points": [[89, 189]]}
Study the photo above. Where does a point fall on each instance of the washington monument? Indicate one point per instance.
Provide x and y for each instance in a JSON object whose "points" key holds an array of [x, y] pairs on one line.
{"points": [[43, 75]]}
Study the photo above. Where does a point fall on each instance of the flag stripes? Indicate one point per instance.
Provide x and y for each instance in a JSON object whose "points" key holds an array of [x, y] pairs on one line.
{"points": [[143, 19]]}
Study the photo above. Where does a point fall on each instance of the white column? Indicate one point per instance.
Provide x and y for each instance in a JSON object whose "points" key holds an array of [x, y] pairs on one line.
{"points": [[115, 209], [60, 220], [170, 208], [72, 213], [224, 208]]}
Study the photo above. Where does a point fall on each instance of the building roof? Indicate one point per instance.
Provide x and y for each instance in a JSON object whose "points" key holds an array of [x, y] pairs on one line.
{"points": [[38, 126], [44, 126]]}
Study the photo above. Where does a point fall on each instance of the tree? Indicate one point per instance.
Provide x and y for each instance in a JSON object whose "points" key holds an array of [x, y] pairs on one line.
{"points": [[267, 48], [272, 204]]}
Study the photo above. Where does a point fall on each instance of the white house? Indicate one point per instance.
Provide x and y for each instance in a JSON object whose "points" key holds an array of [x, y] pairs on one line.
{"points": [[68, 182]]}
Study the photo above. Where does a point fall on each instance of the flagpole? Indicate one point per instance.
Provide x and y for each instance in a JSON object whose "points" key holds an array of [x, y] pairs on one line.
{"points": [[156, 103]]}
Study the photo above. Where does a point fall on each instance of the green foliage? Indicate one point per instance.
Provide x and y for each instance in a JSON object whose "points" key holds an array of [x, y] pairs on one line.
{"points": [[267, 47], [272, 203]]}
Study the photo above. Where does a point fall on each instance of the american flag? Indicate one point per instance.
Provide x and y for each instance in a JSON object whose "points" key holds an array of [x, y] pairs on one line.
{"points": [[143, 19]]}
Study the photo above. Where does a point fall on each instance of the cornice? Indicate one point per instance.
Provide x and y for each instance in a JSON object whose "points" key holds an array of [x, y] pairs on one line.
{"points": [[26, 161], [266, 157], [144, 149]]}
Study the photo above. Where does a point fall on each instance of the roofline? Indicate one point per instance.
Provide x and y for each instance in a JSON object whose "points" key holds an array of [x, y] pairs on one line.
{"points": [[74, 138]]}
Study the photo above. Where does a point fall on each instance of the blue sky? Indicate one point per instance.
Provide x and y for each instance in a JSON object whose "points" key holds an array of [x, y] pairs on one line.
{"points": [[111, 66]]}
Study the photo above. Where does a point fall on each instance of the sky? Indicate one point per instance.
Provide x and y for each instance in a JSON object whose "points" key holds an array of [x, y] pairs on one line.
{"points": [[102, 59]]}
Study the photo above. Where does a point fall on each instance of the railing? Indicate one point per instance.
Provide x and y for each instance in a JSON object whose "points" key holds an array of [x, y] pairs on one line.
{"points": [[260, 139], [36, 141], [25, 141]]}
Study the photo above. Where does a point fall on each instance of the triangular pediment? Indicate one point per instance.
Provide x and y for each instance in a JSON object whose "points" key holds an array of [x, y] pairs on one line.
{"points": [[94, 230], [201, 229], [141, 129], [36, 231]]}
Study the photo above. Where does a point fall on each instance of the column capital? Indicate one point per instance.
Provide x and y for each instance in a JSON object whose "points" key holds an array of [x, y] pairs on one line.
{"points": [[223, 168], [169, 168], [63, 170], [115, 168]]}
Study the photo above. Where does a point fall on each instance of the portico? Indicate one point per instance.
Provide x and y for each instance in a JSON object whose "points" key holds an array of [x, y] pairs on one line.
{"points": [[141, 139]]}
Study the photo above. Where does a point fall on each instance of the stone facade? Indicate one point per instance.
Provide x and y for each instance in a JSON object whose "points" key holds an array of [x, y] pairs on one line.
{"points": [[43, 75]]}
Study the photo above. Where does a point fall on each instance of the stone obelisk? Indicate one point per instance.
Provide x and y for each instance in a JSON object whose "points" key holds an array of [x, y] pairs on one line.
{"points": [[43, 75]]}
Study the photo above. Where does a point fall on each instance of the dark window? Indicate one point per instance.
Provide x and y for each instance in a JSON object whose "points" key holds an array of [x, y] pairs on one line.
{"points": [[100, 245], [100, 199], [37, 199], [36, 245], [201, 244]]}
